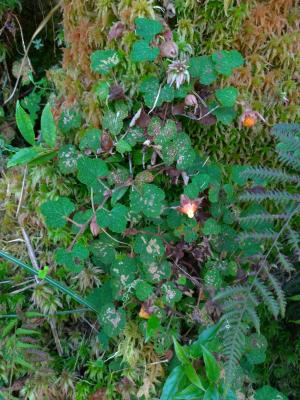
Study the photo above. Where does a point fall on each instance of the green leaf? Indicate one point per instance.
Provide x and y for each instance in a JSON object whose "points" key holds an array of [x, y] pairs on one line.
{"points": [[48, 127], [73, 260], [174, 383], [113, 122], [155, 272], [192, 375], [70, 119], [181, 352], [212, 368], [213, 278], [147, 28], [203, 69], [112, 319], [102, 295], [90, 170], [43, 272], [148, 200], [68, 157], [103, 252], [227, 96], [153, 325], [91, 140], [225, 114], [102, 61], [56, 211], [24, 124], [23, 156], [171, 294], [115, 219], [149, 247], [153, 94], [123, 146], [267, 392], [199, 183], [124, 270], [143, 290], [211, 227], [81, 217], [32, 104], [225, 61], [167, 133], [190, 393], [101, 89], [141, 51]]}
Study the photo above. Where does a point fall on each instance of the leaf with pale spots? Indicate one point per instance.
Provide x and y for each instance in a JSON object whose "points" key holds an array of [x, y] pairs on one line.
{"points": [[112, 320], [149, 247], [102, 61], [171, 295], [147, 200], [91, 140], [124, 270], [155, 272], [68, 157]]}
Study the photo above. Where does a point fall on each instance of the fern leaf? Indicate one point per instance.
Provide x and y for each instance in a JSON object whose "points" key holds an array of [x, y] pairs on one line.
{"points": [[254, 318], [270, 175], [259, 196], [294, 241], [279, 292], [257, 236], [267, 297]]}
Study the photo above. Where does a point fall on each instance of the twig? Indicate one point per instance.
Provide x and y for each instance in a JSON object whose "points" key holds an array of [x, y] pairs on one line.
{"points": [[22, 191]]}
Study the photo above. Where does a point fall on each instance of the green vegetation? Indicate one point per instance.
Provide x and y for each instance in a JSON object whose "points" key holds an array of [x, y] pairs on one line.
{"points": [[146, 251]]}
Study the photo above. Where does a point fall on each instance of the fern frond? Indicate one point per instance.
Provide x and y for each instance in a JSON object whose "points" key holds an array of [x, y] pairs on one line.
{"points": [[254, 318], [259, 196], [293, 239], [279, 292], [270, 175], [262, 217], [230, 291], [287, 134], [257, 236], [283, 260], [289, 159], [266, 296]]}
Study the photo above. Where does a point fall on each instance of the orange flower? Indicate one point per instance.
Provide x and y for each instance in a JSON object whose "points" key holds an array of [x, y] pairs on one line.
{"points": [[249, 121], [143, 313], [188, 206]]}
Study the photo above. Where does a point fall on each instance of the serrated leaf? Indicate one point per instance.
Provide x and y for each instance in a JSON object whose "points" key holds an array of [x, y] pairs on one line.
{"points": [[112, 320], [154, 94], [100, 296], [90, 170], [113, 122], [124, 270], [198, 184], [155, 272], [167, 133], [147, 28], [81, 217], [70, 119], [101, 89], [225, 114], [171, 295], [141, 51], [225, 61], [91, 140], [68, 157], [102, 61], [213, 278], [148, 200], [267, 392], [103, 252], [56, 211], [203, 69], [73, 260], [227, 96], [123, 146], [143, 290], [149, 247], [211, 227], [25, 124], [115, 219], [48, 127]]}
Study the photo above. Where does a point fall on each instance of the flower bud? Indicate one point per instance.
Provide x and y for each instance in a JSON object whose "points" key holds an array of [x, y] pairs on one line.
{"points": [[94, 227], [116, 31], [169, 49], [190, 100]]}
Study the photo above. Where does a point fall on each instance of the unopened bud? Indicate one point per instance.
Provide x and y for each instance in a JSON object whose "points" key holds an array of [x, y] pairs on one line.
{"points": [[94, 227], [190, 100], [169, 49]]}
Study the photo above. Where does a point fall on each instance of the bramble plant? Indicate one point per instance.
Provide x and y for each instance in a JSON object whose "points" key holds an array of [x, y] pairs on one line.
{"points": [[150, 229]]}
